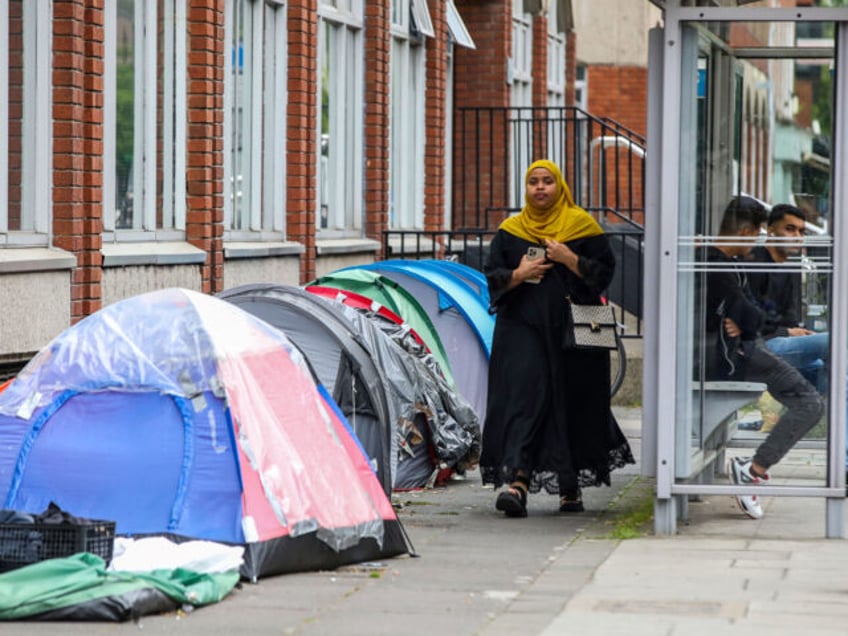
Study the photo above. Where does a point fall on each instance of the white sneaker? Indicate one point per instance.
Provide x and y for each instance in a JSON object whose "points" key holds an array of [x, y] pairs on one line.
{"points": [[739, 469]]}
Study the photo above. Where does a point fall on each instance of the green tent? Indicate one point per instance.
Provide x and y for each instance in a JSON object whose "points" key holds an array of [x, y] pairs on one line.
{"points": [[393, 296], [80, 588]]}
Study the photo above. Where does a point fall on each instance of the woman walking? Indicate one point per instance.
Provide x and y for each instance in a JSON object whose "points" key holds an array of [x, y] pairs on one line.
{"points": [[548, 423]]}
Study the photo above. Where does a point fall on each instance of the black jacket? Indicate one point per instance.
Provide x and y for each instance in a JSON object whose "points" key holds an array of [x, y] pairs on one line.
{"points": [[778, 294], [728, 296]]}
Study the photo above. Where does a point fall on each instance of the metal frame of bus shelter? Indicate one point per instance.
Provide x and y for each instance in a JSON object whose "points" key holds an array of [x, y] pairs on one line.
{"points": [[663, 200]]}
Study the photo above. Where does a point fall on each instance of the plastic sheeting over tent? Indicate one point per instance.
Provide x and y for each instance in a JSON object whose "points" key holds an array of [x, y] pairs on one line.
{"points": [[392, 295], [428, 427], [460, 316], [358, 301], [177, 413], [338, 358]]}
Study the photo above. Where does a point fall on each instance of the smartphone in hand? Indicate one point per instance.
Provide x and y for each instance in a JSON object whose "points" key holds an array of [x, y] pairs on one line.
{"points": [[535, 253]]}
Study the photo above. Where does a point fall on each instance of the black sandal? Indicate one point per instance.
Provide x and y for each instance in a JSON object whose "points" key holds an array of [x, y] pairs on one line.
{"points": [[571, 501], [513, 501]]}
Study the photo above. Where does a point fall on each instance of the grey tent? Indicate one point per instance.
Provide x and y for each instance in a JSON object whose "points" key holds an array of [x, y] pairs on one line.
{"points": [[409, 421]]}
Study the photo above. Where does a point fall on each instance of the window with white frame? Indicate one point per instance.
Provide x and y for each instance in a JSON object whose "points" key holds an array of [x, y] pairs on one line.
{"points": [[25, 122], [144, 120], [340, 97], [254, 119], [457, 30], [407, 132], [556, 58], [581, 87]]}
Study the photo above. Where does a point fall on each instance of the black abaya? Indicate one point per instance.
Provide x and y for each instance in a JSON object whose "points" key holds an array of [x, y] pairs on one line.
{"points": [[548, 411]]}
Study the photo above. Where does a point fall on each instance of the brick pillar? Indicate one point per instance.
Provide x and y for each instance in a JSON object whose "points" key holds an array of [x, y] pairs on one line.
{"points": [[570, 68], [16, 114], [78, 145], [302, 113], [377, 117], [540, 86], [205, 138], [540, 61], [570, 99], [436, 115]]}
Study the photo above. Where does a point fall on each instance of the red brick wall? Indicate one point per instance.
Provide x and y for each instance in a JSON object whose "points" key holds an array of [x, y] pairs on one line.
{"points": [[435, 120], [621, 93], [204, 138], [570, 67], [377, 117], [78, 145], [570, 97], [16, 95], [540, 62], [301, 158], [480, 75]]}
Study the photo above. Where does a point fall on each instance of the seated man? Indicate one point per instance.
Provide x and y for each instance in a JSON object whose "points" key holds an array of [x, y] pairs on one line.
{"points": [[734, 321], [778, 293], [779, 296]]}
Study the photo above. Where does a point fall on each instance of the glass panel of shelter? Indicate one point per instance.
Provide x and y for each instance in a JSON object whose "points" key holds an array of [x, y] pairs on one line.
{"points": [[756, 120]]}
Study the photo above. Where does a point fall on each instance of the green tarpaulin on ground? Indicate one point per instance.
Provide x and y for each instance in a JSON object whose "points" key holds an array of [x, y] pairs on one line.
{"points": [[82, 579]]}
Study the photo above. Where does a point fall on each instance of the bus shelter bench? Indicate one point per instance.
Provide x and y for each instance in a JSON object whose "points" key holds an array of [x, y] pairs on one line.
{"points": [[721, 401]]}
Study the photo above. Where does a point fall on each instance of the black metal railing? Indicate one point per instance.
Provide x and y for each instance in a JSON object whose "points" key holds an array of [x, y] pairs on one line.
{"points": [[602, 161]]}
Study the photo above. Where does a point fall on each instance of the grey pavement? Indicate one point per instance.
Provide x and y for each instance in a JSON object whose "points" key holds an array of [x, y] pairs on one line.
{"points": [[480, 573]]}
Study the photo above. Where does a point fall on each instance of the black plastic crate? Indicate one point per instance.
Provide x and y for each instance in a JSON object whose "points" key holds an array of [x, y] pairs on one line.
{"points": [[25, 543]]}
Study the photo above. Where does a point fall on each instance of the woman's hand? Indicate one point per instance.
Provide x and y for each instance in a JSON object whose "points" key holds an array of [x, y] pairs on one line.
{"points": [[529, 269], [561, 253]]}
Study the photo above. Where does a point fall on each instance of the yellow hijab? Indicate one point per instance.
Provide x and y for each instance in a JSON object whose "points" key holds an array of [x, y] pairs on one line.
{"points": [[562, 222]]}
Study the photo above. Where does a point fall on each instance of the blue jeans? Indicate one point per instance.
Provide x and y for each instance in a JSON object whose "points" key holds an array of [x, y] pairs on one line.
{"points": [[808, 354]]}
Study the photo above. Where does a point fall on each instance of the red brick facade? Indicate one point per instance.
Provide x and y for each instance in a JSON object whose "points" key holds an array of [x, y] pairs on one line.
{"points": [[377, 117], [16, 105], [78, 145], [205, 146], [435, 186], [301, 182], [480, 80], [620, 93]]}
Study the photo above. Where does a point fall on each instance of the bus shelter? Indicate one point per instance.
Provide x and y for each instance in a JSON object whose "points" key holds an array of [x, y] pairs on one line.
{"points": [[745, 98]]}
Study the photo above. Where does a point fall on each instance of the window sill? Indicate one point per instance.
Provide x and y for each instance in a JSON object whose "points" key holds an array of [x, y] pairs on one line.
{"points": [[35, 259], [159, 253], [248, 249], [326, 247]]}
